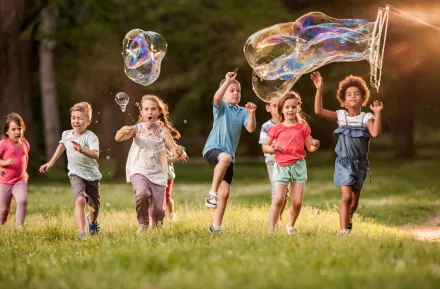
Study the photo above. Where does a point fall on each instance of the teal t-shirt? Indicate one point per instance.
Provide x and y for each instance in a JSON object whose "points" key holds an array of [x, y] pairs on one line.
{"points": [[225, 133]]}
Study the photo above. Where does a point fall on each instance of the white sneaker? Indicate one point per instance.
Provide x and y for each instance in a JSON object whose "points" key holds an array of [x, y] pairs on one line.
{"points": [[211, 200], [290, 230], [213, 230]]}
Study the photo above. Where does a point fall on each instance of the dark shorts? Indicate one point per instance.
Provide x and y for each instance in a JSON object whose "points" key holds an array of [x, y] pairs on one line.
{"points": [[350, 173], [86, 189], [212, 157]]}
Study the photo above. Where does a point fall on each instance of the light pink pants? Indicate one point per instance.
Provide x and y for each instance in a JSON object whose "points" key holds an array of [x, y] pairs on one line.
{"points": [[18, 191]]}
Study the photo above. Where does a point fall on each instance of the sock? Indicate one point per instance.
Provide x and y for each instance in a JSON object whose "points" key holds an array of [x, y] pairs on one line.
{"points": [[344, 231], [215, 227]]}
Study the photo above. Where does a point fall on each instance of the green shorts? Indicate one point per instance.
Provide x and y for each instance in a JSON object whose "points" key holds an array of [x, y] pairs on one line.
{"points": [[294, 173]]}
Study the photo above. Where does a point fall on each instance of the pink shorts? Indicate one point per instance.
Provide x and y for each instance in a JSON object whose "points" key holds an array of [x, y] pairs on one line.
{"points": [[168, 190]]}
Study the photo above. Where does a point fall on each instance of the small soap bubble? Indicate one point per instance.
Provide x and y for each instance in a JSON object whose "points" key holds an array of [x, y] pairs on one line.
{"points": [[185, 121], [108, 204], [107, 157], [122, 100]]}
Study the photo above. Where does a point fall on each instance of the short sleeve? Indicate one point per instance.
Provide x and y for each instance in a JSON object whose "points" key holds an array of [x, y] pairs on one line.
{"points": [[219, 109], [263, 134], [272, 133], [367, 117], [2, 147], [306, 130], [341, 117], [93, 142], [27, 145], [63, 137]]}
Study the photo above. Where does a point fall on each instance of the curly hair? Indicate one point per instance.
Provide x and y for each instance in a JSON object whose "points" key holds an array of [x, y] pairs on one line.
{"points": [[16, 118], [163, 116], [353, 81], [300, 116]]}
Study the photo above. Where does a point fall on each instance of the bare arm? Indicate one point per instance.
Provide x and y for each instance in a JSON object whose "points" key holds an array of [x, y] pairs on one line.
{"points": [[58, 152], [171, 145], [319, 84], [312, 144], [269, 147], [252, 120], [375, 126], [218, 96], [94, 154], [126, 132]]}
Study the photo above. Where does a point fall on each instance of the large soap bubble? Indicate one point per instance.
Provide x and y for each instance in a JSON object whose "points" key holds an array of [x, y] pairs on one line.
{"points": [[143, 52], [282, 53]]}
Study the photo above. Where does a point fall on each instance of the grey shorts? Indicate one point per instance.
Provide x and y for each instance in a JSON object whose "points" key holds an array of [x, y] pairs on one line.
{"points": [[86, 189]]}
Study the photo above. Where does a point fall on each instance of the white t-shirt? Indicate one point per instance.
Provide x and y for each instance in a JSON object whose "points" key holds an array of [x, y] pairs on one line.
{"points": [[358, 120], [147, 154], [79, 164]]}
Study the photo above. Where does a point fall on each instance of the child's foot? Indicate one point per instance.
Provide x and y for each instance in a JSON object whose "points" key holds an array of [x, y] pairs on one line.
{"points": [[82, 236], [290, 230], [142, 228], [215, 229], [350, 222], [211, 200], [172, 217], [344, 232], [93, 228]]}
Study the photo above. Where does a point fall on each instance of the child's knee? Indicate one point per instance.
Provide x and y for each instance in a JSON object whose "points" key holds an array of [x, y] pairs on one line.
{"points": [[297, 205], [346, 199], [22, 203], [142, 193], [80, 201], [4, 212], [225, 158], [224, 195]]}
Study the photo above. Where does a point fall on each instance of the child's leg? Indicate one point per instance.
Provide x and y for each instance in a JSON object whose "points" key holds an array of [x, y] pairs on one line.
{"points": [[168, 197], [345, 206], [93, 200], [223, 194], [296, 195], [80, 204], [142, 197], [224, 160], [157, 201], [283, 205], [19, 191], [269, 167], [277, 202], [5, 202], [355, 195]]}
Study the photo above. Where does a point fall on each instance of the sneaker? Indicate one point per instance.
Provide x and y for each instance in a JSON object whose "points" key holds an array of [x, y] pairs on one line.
{"points": [[350, 222], [93, 228], [290, 230], [344, 232], [82, 236], [211, 200], [213, 230]]}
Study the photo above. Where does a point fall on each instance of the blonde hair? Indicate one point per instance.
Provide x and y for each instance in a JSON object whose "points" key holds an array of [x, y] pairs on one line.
{"points": [[83, 107], [163, 114], [233, 81], [300, 116]]}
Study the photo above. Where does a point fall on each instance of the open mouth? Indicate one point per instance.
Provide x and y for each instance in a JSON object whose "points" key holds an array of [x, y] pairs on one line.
{"points": [[150, 118]]}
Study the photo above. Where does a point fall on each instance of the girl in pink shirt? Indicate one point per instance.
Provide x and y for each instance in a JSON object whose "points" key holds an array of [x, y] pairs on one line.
{"points": [[14, 150], [290, 136]]}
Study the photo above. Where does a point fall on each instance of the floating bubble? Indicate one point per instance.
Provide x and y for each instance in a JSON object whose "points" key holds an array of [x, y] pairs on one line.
{"points": [[122, 99], [282, 53], [143, 52], [96, 121], [108, 204], [107, 157], [137, 104], [99, 112], [185, 121]]}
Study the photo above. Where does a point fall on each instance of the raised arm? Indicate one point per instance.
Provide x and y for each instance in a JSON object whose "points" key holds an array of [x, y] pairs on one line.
{"points": [[218, 96], [252, 120], [319, 84], [58, 152], [126, 132], [375, 126]]}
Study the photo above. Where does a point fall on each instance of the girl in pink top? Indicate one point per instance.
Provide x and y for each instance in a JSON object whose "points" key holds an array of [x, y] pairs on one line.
{"points": [[14, 150], [287, 140]]}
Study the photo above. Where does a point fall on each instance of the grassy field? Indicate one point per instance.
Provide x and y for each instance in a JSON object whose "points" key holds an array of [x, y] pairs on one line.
{"points": [[377, 254]]}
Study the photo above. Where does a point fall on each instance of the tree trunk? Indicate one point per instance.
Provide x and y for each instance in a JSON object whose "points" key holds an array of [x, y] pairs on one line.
{"points": [[51, 120], [15, 68]]}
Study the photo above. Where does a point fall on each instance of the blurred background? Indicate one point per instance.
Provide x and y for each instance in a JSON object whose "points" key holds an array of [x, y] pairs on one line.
{"points": [[58, 52]]}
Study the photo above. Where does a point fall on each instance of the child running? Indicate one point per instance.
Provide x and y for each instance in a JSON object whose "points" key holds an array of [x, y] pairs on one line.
{"points": [[147, 166], [14, 150], [222, 142], [169, 202], [354, 133], [82, 148], [291, 135]]}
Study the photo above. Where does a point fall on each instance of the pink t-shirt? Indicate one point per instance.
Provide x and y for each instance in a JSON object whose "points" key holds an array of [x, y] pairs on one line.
{"points": [[292, 140], [19, 155]]}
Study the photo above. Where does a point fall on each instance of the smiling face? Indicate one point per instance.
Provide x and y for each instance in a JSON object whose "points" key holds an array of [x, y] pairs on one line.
{"points": [[14, 132], [353, 97], [290, 109], [79, 121], [150, 110], [233, 93]]}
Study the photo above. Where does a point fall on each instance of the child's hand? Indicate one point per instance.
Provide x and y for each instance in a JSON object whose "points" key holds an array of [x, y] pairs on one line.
{"points": [[230, 76], [7, 162], [376, 106], [45, 167], [127, 129], [275, 148], [2, 172], [316, 143], [250, 107], [317, 79], [76, 146]]}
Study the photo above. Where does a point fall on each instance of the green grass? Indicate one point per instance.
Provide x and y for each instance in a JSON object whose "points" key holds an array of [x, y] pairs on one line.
{"points": [[377, 254]]}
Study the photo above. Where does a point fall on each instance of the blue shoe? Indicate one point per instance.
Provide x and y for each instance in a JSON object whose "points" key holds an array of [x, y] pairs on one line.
{"points": [[93, 228], [82, 236]]}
